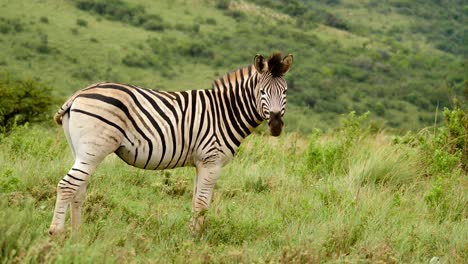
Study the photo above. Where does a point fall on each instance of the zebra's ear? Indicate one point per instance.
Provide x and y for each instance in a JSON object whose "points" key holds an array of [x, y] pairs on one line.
{"points": [[287, 63], [260, 64]]}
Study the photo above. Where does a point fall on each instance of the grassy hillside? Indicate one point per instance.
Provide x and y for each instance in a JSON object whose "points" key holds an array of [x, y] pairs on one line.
{"points": [[354, 196], [399, 59]]}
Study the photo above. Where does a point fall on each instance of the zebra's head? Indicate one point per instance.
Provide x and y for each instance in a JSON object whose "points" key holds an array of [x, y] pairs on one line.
{"points": [[271, 88]]}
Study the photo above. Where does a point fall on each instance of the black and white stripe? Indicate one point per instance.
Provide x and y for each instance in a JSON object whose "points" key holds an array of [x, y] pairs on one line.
{"points": [[152, 129]]}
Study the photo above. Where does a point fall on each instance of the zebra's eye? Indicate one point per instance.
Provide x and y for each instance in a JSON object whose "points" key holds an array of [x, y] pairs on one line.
{"points": [[262, 92], [284, 92]]}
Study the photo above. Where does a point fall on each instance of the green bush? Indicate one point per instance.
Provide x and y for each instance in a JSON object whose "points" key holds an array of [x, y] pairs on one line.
{"points": [[445, 148], [199, 50], [74, 31], [331, 157], [163, 47], [152, 22], [44, 20], [443, 203], [333, 21], [139, 60], [23, 101], [210, 21], [81, 22], [43, 46], [456, 122], [10, 25], [223, 4]]}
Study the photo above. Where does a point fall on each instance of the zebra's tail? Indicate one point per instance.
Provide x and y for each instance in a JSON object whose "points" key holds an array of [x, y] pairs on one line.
{"points": [[64, 109], [66, 106]]}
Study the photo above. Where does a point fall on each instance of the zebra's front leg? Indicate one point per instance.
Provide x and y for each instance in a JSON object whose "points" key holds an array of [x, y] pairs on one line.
{"points": [[203, 191]]}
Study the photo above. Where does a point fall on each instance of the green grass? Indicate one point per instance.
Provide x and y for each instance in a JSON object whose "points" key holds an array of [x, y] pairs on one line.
{"points": [[350, 196]]}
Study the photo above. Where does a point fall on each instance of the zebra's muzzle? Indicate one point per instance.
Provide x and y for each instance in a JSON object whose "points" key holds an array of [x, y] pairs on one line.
{"points": [[275, 123]]}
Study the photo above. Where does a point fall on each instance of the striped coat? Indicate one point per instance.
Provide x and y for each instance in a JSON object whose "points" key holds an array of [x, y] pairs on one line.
{"points": [[152, 129]]}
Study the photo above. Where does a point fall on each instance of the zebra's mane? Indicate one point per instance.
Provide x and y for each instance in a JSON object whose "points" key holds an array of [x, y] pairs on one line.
{"points": [[231, 76], [275, 66]]}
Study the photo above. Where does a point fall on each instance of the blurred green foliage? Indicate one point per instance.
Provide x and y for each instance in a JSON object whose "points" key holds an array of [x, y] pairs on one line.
{"points": [[122, 11], [10, 25], [23, 101], [400, 60]]}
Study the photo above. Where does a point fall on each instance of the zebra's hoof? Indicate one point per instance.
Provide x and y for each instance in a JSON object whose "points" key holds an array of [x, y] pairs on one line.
{"points": [[197, 226], [53, 231]]}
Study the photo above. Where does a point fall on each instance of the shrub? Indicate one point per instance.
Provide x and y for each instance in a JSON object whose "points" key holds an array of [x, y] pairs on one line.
{"points": [[332, 156], [333, 21], [236, 14], [379, 108], [88, 73], [10, 25], [44, 20], [362, 62], [139, 60], [153, 22], [22, 101], [223, 4], [43, 46], [118, 10], [456, 122], [81, 22], [445, 147], [166, 49], [210, 21], [194, 28], [199, 50], [443, 202]]}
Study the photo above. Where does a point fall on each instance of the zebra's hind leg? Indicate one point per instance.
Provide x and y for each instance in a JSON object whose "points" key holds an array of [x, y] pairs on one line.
{"points": [[70, 188], [91, 140], [76, 204], [203, 191]]}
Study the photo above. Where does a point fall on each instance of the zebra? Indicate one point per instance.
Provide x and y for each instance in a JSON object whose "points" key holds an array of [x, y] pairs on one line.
{"points": [[152, 129]]}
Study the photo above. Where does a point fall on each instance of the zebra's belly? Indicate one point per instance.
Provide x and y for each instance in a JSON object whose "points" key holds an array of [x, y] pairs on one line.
{"points": [[153, 157]]}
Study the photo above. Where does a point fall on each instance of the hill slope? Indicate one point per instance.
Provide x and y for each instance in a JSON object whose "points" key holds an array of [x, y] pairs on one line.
{"points": [[393, 59]]}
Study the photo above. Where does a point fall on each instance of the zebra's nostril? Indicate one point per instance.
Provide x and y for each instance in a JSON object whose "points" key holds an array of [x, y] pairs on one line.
{"points": [[275, 115]]}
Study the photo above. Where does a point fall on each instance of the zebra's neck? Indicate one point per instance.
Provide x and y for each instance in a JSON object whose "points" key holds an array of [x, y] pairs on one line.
{"points": [[236, 91]]}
